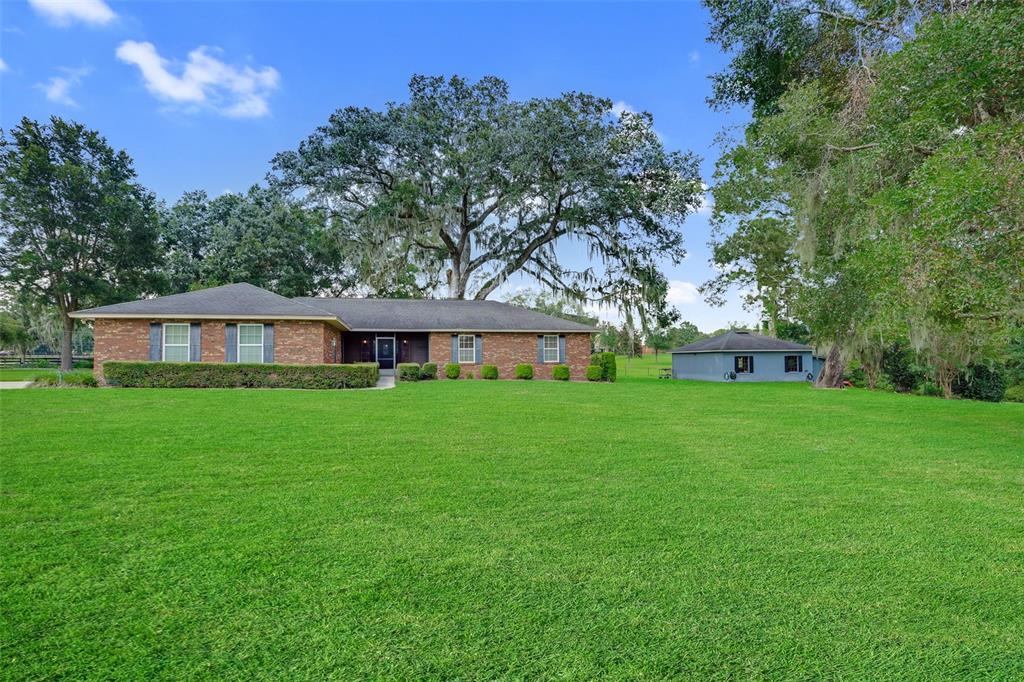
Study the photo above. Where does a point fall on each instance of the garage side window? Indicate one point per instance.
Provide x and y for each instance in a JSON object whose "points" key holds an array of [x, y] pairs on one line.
{"points": [[175, 342], [794, 363], [744, 364]]}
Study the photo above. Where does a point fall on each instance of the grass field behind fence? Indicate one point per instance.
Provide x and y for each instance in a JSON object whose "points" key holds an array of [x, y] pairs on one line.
{"points": [[475, 529]]}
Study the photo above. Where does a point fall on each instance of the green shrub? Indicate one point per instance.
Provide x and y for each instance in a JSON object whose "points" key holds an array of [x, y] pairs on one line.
{"points": [[980, 382], [606, 361], [595, 372], [854, 373], [899, 368], [237, 375], [82, 364], [452, 370], [428, 370], [43, 364], [524, 371], [1015, 394], [930, 388], [488, 371], [408, 371], [560, 372], [79, 379], [76, 379]]}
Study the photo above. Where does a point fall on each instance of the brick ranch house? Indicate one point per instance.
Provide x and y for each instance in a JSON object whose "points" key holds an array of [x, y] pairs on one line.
{"points": [[244, 323]]}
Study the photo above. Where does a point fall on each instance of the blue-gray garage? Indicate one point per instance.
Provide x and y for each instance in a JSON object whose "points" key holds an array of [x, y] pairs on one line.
{"points": [[744, 356]]}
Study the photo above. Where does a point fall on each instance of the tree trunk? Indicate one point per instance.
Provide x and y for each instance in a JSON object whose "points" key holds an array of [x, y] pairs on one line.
{"points": [[66, 362], [832, 373], [944, 374]]}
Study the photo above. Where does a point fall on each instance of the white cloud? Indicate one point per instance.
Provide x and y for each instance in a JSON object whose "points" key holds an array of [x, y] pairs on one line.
{"points": [[620, 107], [204, 80], [682, 293], [706, 200], [58, 88], [3, 65], [694, 57], [64, 12]]}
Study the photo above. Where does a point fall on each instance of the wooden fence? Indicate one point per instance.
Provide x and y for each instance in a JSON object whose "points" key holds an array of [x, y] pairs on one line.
{"points": [[37, 360]]}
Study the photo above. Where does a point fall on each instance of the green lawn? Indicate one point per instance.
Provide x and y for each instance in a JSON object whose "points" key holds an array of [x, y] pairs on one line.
{"points": [[472, 529], [23, 373], [645, 367]]}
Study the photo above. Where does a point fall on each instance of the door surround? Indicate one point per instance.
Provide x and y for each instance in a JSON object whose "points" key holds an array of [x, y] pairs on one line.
{"points": [[377, 338]]}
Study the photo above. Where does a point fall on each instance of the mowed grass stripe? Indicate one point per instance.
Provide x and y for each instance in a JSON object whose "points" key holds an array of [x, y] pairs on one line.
{"points": [[511, 529]]}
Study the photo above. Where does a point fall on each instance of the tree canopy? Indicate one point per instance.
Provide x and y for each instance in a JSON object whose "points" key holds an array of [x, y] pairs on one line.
{"points": [[879, 191], [76, 229], [470, 187]]}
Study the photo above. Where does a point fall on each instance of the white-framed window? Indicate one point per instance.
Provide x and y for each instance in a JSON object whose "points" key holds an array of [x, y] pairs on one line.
{"points": [[176, 342], [250, 343], [551, 348], [794, 363], [467, 349]]}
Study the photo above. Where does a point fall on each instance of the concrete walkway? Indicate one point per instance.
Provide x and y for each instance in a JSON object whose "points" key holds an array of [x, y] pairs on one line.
{"points": [[14, 384], [385, 382]]}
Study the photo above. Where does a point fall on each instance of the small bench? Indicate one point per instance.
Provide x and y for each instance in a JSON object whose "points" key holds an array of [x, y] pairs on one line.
{"points": [[665, 373]]}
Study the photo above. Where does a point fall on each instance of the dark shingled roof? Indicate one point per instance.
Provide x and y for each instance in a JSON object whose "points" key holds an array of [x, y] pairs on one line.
{"points": [[230, 300], [395, 314], [740, 341], [362, 314]]}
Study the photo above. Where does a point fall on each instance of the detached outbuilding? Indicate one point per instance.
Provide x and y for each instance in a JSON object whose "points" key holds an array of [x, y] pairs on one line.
{"points": [[745, 356]]}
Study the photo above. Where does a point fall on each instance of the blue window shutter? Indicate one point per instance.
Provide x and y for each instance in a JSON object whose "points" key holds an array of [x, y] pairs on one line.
{"points": [[561, 348], [195, 334], [156, 331], [479, 349], [268, 342], [540, 349], [455, 347], [231, 343]]}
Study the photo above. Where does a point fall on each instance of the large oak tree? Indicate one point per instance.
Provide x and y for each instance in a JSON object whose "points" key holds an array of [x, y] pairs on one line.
{"points": [[471, 187]]}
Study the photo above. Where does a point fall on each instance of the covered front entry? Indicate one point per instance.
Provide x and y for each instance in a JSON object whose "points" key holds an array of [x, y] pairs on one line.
{"points": [[385, 347], [386, 352]]}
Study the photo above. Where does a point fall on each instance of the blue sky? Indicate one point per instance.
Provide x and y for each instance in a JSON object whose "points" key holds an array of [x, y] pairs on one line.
{"points": [[203, 94]]}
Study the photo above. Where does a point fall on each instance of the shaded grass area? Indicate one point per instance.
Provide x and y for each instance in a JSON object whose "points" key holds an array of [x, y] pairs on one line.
{"points": [[511, 529]]}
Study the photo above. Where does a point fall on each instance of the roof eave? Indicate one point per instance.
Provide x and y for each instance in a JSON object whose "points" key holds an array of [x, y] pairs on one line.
{"points": [[86, 315], [745, 350]]}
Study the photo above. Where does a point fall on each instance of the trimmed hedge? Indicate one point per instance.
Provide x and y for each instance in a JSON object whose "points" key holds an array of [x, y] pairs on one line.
{"points": [[595, 372], [1015, 394], [428, 370], [408, 371], [488, 371], [606, 361], [237, 375], [452, 370], [560, 372], [524, 371]]}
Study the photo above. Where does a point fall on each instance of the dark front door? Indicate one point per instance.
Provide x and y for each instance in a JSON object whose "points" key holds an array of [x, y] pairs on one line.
{"points": [[386, 353]]}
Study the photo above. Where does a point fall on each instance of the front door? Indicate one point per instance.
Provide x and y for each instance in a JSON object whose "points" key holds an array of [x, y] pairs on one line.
{"points": [[386, 353]]}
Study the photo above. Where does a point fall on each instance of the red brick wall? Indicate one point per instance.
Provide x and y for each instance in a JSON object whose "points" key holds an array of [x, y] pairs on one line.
{"points": [[295, 341], [508, 349], [119, 340]]}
